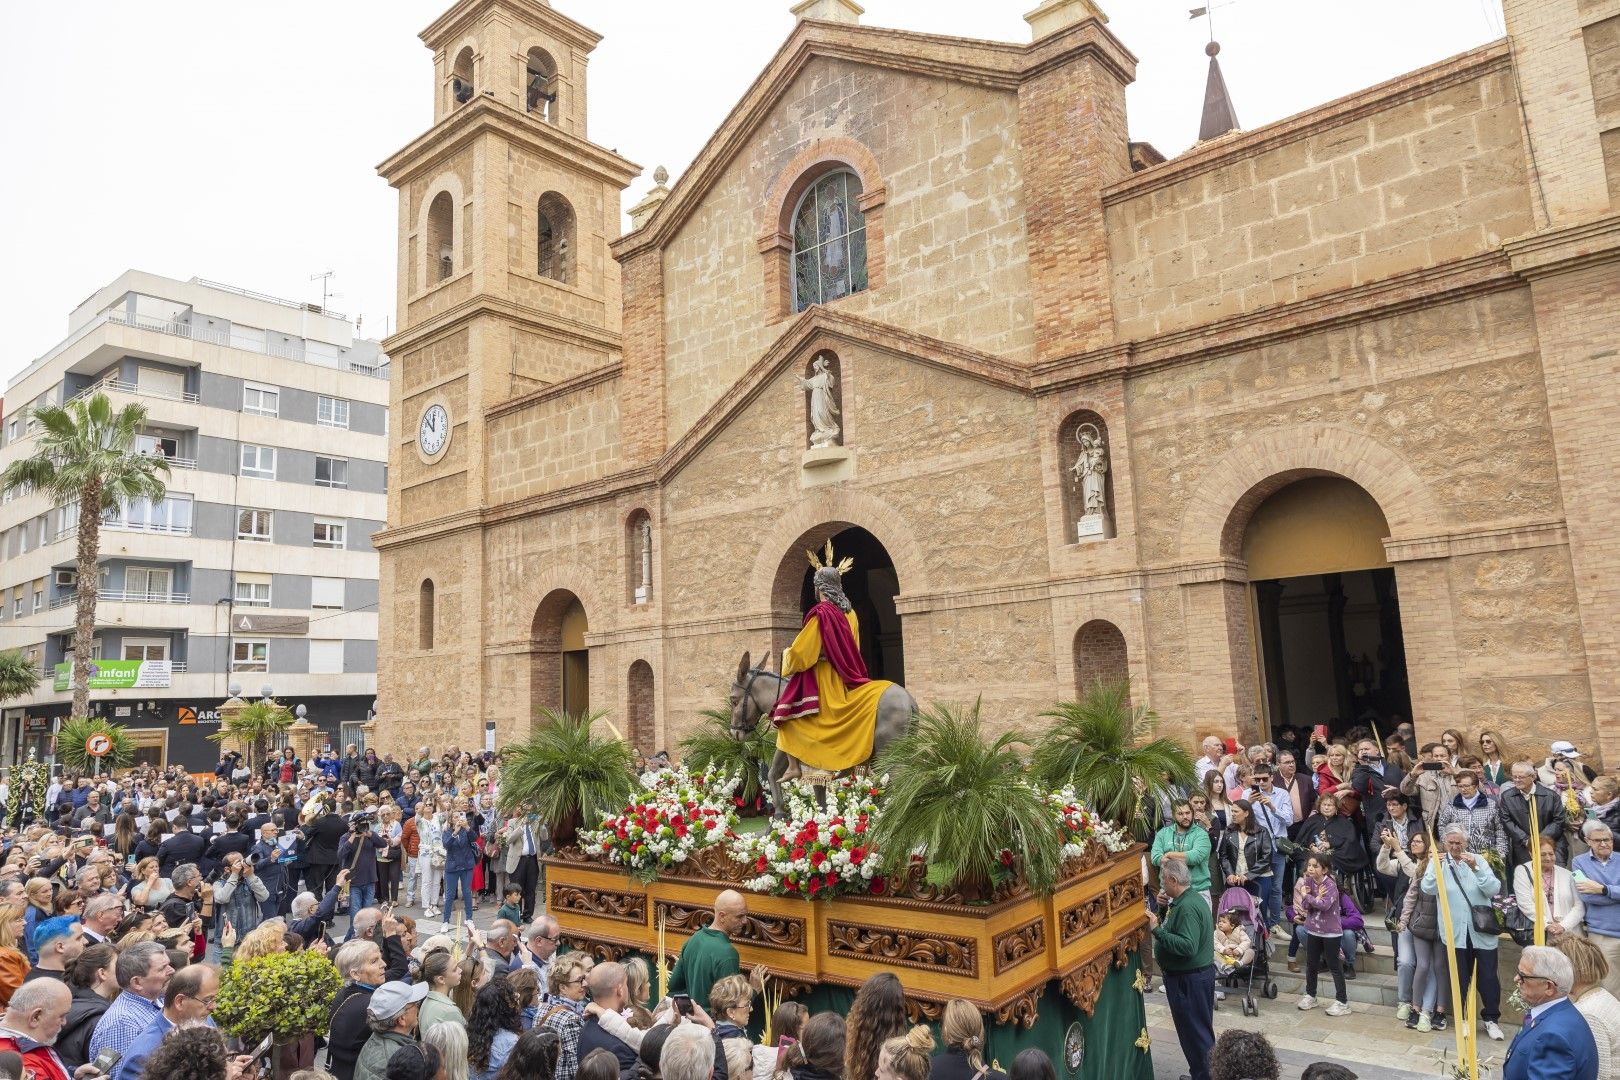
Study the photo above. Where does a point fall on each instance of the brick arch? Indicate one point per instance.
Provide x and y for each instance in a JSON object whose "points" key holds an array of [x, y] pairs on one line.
{"points": [[564, 578], [1100, 653], [775, 213], [445, 182], [779, 563], [1232, 488]]}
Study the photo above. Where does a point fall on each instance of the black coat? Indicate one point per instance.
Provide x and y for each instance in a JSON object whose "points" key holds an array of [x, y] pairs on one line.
{"points": [[953, 1065], [1349, 855], [1257, 849], [348, 1031], [324, 836], [1513, 810], [73, 1043], [1370, 786], [362, 856], [181, 848], [227, 842]]}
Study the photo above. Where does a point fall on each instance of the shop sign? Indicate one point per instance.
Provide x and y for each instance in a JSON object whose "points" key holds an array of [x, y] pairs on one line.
{"points": [[270, 624], [119, 674], [36, 724], [191, 714]]}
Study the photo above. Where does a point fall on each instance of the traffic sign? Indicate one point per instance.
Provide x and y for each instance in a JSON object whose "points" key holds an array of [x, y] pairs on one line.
{"points": [[98, 745]]}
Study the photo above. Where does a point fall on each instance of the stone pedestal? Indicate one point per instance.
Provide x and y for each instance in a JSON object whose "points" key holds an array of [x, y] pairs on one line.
{"points": [[826, 465], [642, 594], [304, 738], [1090, 527]]}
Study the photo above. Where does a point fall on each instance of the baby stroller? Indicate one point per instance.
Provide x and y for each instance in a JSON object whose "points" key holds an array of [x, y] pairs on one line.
{"points": [[1257, 972]]}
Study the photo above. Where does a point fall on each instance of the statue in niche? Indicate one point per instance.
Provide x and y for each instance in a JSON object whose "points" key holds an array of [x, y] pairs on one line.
{"points": [[644, 533], [823, 408], [1089, 471]]}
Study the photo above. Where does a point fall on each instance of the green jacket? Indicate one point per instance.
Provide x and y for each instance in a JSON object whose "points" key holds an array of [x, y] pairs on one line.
{"points": [[1195, 842], [1185, 938], [707, 957]]}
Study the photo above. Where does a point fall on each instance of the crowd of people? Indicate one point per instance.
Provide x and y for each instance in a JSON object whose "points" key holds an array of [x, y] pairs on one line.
{"points": [[1304, 840]]}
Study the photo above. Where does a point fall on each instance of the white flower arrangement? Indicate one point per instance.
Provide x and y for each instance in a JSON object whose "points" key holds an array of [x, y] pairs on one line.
{"points": [[817, 853], [1082, 826], [676, 814]]}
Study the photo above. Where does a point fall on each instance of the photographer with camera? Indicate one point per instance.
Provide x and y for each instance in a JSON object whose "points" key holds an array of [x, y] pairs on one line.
{"points": [[357, 854], [239, 891]]}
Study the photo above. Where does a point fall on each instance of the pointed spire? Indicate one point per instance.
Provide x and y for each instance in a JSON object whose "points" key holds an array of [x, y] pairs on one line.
{"points": [[1219, 116], [642, 212]]}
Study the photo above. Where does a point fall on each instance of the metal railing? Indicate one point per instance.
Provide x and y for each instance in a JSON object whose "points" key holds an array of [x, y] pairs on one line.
{"points": [[121, 386], [125, 596], [70, 531], [48, 671]]}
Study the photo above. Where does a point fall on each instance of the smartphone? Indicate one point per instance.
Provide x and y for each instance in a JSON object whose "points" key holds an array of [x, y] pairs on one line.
{"points": [[683, 1003], [1431, 766], [1577, 876], [107, 1061]]}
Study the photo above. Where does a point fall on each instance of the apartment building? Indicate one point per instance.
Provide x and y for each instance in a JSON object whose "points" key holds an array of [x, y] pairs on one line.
{"points": [[257, 567]]}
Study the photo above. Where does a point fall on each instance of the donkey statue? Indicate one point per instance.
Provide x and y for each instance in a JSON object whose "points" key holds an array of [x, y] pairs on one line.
{"points": [[754, 693]]}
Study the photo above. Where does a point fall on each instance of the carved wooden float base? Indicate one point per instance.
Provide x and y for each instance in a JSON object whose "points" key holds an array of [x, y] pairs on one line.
{"points": [[1001, 956]]}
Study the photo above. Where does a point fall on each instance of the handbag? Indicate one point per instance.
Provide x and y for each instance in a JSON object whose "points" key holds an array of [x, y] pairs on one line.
{"points": [[1482, 916], [1519, 926]]}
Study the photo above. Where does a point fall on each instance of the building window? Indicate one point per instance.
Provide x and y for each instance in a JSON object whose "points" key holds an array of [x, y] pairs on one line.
{"points": [[252, 590], [332, 472], [259, 461], [169, 515], [146, 650], [424, 615], [254, 525], [148, 583], [332, 412], [39, 600], [329, 532], [326, 592], [441, 237], [17, 607], [163, 446], [250, 655], [829, 242], [325, 657], [556, 238], [261, 400]]}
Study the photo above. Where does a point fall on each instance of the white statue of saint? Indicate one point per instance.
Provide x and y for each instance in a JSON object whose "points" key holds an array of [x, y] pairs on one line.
{"points": [[644, 590], [1089, 470], [823, 409]]}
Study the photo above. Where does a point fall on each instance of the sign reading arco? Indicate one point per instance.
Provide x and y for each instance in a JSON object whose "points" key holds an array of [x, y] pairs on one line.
{"points": [[118, 674]]}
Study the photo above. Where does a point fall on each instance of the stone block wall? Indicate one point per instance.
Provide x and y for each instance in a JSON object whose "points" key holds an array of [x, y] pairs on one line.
{"points": [[1345, 195], [569, 437]]}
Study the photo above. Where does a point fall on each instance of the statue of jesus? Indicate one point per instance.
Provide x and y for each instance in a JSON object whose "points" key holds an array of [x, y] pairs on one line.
{"points": [[823, 409]]}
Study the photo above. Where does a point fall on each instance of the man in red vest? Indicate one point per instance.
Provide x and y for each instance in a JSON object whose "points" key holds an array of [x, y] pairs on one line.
{"points": [[32, 1022]]}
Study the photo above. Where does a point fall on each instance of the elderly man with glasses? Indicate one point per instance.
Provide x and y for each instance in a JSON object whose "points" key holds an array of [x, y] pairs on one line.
{"points": [[1555, 1040], [1597, 879]]}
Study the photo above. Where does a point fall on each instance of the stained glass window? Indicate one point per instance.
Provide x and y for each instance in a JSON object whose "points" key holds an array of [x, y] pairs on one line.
{"points": [[829, 242]]}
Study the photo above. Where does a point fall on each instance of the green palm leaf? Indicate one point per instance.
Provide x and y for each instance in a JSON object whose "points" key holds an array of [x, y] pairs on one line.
{"points": [[254, 727], [19, 676], [961, 799], [564, 773], [75, 732], [1102, 746]]}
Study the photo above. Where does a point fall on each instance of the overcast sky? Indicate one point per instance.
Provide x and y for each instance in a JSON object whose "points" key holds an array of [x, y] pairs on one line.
{"points": [[239, 142]]}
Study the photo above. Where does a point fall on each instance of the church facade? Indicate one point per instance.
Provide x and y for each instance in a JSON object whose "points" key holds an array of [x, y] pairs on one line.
{"points": [[1310, 424]]}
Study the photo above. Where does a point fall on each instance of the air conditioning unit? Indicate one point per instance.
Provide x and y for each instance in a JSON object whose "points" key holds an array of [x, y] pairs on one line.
{"points": [[67, 579]]}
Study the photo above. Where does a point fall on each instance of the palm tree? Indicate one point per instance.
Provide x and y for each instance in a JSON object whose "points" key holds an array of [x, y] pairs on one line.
{"points": [[19, 676], [565, 774], [1102, 746], [254, 726], [86, 457]]}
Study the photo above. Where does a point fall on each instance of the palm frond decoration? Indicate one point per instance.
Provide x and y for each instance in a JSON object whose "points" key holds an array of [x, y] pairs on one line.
{"points": [[713, 748], [1104, 748], [963, 802], [566, 774], [75, 732]]}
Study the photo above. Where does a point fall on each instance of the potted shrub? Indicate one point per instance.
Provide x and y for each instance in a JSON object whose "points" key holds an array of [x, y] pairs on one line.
{"points": [[1102, 748], [565, 774], [713, 748], [965, 805], [285, 995]]}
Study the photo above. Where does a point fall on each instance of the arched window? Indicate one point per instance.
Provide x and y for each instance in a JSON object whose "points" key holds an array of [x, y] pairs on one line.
{"points": [[441, 237], [639, 705], [555, 249], [424, 615], [461, 77], [638, 544], [1099, 656], [829, 241], [541, 88]]}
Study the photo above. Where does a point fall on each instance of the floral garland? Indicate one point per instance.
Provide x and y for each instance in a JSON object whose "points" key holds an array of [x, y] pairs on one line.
{"points": [[817, 853], [1080, 826], [29, 782], [678, 813]]}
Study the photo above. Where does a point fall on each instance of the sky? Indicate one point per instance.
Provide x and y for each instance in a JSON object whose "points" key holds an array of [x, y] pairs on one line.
{"points": [[239, 142]]}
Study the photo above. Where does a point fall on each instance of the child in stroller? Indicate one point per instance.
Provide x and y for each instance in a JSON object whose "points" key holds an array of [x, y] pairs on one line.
{"points": [[1241, 927]]}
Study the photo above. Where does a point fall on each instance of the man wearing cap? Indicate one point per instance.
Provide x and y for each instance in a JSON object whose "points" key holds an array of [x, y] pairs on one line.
{"points": [[392, 1016], [1563, 751], [189, 997], [57, 943]]}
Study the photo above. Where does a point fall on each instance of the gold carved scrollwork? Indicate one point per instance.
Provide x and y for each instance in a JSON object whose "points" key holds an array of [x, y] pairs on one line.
{"points": [[1083, 984], [1022, 1010], [922, 1011], [767, 931], [1016, 946], [601, 951], [931, 952], [625, 907], [1075, 922], [1122, 894]]}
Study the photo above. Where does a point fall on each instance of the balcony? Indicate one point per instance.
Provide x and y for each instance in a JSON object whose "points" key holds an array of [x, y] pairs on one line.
{"points": [[122, 386], [213, 336], [126, 526], [114, 596]]}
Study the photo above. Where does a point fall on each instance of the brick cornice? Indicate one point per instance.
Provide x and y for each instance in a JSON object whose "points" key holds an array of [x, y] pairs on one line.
{"points": [[997, 65], [452, 319], [582, 381], [463, 16], [1476, 275], [1480, 541], [488, 115], [1562, 250], [1359, 105]]}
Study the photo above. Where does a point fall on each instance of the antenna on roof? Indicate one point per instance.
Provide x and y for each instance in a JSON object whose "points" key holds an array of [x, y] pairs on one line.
{"points": [[325, 278]]}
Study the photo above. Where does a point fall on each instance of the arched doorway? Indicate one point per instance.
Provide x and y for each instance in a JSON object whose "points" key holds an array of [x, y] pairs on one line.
{"points": [[560, 672], [1325, 609], [871, 585]]}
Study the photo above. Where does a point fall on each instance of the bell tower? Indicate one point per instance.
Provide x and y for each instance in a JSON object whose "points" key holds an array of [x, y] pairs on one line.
{"points": [[506, 287]]}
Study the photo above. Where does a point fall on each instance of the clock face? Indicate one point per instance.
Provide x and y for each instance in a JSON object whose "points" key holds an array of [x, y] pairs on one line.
{"points": [[434, 430]]}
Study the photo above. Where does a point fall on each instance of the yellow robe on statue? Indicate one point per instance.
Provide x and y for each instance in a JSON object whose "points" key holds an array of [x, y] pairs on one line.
{"points": [[839, 736]]}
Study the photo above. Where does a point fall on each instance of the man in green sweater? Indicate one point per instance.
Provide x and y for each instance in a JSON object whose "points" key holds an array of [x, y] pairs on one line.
{"points": [[1184, 948], [1185, 841], [709, 956]]}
